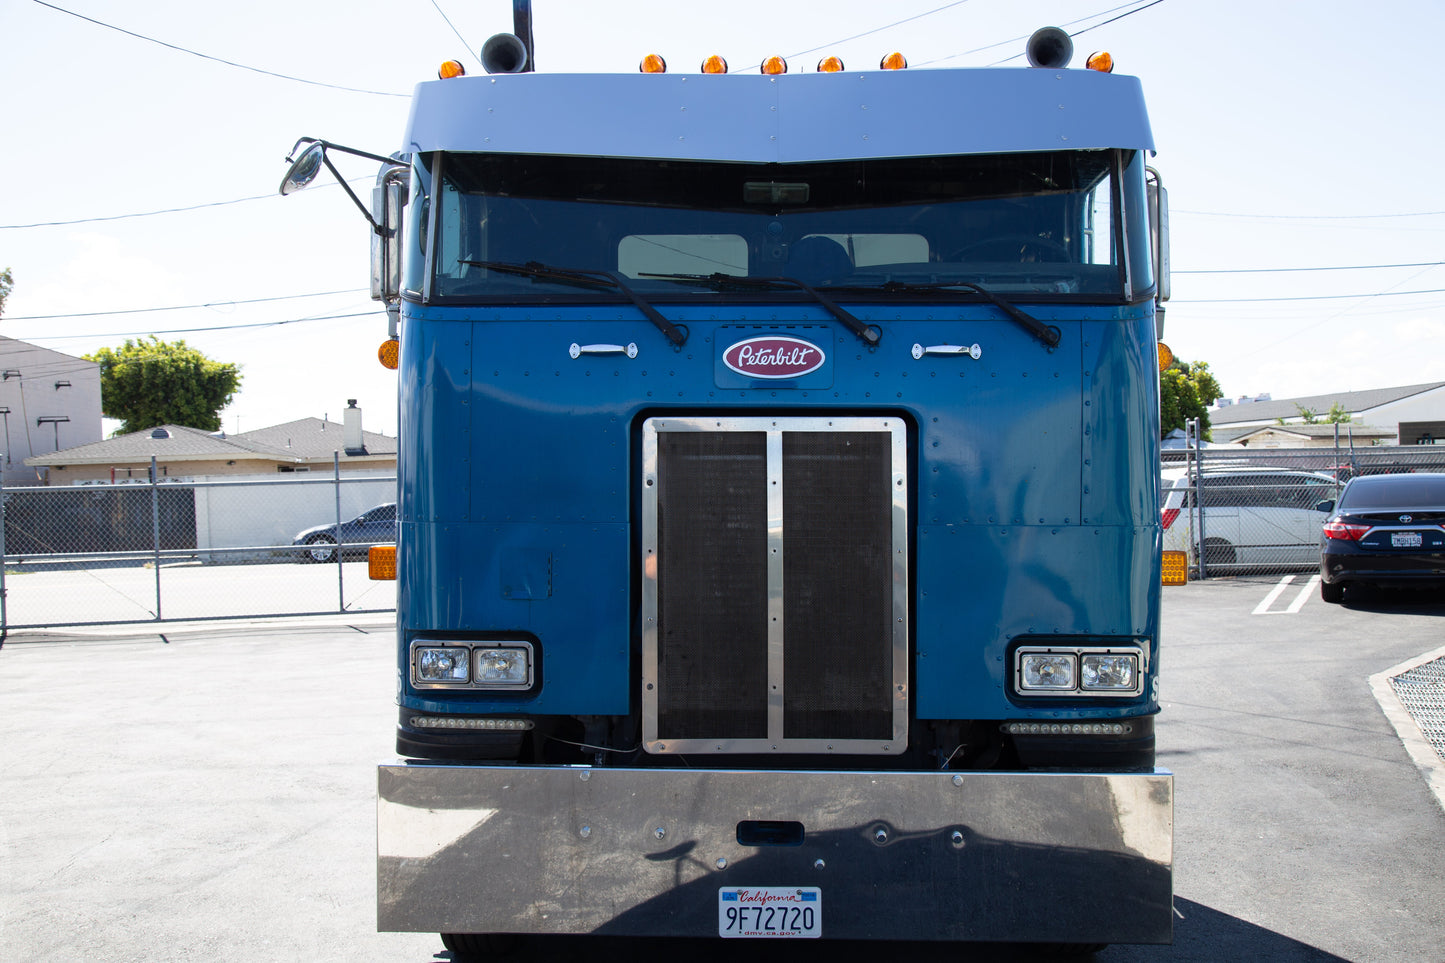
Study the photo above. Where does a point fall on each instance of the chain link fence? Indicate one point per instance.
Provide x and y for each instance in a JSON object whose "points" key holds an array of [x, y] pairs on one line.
{"points": [[156, 550], [1242, 511]]}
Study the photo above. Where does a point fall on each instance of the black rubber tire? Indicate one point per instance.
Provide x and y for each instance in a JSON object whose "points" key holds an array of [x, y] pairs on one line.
{"points": [[1218, 552], [1332, 592], [313, 553], [476, 947]]}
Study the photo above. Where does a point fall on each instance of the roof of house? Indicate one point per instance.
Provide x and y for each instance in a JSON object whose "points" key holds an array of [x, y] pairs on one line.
{"points": [[167, 442], [1318, 431], [295, 442], [1351, 401], [312, 438]]}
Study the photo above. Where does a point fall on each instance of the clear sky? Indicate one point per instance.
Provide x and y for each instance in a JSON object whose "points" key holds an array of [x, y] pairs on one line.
{"points": [[1291, 136]]}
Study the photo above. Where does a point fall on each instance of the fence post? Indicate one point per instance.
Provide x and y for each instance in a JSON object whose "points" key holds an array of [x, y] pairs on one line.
{"points": [[340, 579], [1199, 497], [156, 532], [4, 613]]}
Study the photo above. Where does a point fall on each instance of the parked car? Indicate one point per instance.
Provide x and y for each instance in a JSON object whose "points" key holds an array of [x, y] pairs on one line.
{"points": [[373, 526], [1385, 530], [1251, 517]]}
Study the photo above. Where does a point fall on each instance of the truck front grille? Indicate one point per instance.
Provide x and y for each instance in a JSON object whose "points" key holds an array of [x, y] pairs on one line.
{"points": [[774, 585]]}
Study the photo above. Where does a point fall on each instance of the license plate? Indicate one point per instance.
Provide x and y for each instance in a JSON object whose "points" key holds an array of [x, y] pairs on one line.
{"points": [[770, 912], [1406, 540]]}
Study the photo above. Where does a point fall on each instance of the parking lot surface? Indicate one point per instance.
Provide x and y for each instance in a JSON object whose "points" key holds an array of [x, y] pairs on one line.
{"points": [[205, 791]]}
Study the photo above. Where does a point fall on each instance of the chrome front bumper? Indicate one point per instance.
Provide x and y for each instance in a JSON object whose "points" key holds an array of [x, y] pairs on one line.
{"points": [[1049, 857]]}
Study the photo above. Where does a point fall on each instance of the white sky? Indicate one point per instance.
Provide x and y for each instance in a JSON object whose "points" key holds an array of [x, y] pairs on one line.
{"points": [[1286, 132]]}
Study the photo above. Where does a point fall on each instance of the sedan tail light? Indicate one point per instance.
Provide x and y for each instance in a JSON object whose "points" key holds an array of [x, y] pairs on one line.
{"points": [[1345, 532]]}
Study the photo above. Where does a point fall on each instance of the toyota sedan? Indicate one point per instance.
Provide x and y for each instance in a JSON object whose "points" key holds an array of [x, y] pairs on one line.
{"points": [[1385, 530]]}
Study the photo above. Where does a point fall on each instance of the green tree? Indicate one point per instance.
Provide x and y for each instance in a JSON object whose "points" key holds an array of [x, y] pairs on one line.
{"points": [[7, 282], [152, 382], [1186, 390]]}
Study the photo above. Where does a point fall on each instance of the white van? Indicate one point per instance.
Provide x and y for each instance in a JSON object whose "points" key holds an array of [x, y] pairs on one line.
{"points": [[1251, 517]]}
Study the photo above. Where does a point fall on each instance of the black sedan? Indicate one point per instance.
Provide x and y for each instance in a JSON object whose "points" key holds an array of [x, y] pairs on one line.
{"points": [[1385, 530]]}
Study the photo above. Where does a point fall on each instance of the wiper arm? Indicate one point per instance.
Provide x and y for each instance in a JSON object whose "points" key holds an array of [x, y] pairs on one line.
{"points": [[535, 269], [869, 334], [1048, 334]]}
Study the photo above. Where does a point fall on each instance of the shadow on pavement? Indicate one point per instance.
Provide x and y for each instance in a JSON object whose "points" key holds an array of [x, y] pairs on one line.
{"points": [[1201, 935]]}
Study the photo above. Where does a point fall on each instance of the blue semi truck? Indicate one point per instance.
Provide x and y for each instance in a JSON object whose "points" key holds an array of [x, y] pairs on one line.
{"points": [[779, 544]]}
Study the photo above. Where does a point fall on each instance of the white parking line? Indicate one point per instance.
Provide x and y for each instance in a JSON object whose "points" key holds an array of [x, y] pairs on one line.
{"points": [[1263, 608]]}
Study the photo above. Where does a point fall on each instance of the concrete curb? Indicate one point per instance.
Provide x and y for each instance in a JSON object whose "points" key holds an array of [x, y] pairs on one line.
{"points": [[1421, 751]]}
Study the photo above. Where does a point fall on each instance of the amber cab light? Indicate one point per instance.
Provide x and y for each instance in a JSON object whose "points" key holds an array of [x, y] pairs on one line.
{"points": [[389, 353], [1166, 357], [714, 65], [894, 61], [830, 65], [381, 563], [774, 66], [653, 64], [1102, 61], [450, 69], [1345, 532]]}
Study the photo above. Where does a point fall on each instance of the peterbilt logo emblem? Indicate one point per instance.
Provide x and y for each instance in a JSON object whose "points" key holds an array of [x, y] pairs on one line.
{"points": [[774, 357], [1407, 519]]}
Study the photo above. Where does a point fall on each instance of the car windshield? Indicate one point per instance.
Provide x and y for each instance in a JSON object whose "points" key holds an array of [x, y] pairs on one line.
{"points": [[509, 228], [1386, 492]]}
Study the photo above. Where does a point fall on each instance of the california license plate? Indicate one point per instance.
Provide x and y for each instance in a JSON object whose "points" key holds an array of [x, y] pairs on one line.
{"points": [[770, 912], [1405, 540]]}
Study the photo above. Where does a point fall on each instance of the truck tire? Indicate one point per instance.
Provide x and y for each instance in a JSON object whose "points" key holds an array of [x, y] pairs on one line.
{"points": [[476, 947]]}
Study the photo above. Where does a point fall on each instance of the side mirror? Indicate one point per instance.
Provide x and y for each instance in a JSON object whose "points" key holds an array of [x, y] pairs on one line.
{"points": [[1326, 506], [1159, 228], [387, 200], [304, 168]]}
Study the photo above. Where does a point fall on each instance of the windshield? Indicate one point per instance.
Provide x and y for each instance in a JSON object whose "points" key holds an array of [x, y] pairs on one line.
{"points": [[1043, 225]]}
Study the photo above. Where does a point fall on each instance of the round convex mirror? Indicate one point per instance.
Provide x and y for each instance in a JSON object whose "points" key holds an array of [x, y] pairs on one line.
{"points": [[304, 169]]}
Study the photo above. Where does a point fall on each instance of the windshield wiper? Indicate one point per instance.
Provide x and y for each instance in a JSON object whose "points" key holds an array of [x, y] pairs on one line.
{"points": [[719, 281], [1048, 334], [537, 270]]}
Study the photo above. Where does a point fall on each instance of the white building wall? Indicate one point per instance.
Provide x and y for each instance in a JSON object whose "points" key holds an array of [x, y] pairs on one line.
{"points": [[234, 514], [36, 385], [1426, 406]]}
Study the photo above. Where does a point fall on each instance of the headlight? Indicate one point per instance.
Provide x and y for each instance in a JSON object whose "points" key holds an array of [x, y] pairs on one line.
{"points": [[1112, 673], [1079, 670], [465, 664], [504, 666], [451, 664], [1047, 671]]}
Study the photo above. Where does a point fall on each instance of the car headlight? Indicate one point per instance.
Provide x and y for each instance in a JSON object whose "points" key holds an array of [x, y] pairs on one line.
{"points": [[444, 665], [1112, 673], [1044, 670], [504, 665]]}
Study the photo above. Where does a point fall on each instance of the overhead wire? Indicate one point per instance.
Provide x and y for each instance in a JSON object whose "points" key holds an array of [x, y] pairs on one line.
{"points": [[220, 60]]}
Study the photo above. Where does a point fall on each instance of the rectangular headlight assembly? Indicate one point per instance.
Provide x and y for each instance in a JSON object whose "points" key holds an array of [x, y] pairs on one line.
{"points": [[1051, 670], [494, 665]]}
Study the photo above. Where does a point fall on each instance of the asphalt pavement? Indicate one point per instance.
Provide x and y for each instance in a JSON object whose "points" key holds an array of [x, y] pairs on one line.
{"points": [[205, 792]]}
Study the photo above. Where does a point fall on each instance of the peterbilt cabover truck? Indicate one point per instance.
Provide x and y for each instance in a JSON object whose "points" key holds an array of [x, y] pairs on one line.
{"points": [[778, 490]]}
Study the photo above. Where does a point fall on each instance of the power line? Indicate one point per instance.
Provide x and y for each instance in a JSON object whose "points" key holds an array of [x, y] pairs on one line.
{"points": [[1129, 13], [1312, 297], [465, 46], [219, 60], [1313, 217], [179, 307], [169, 210], [222, 327], [1348, 267]]}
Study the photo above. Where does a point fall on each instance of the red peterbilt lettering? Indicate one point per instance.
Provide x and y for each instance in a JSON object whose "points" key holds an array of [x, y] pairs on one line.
{"points": [[774, 357]]}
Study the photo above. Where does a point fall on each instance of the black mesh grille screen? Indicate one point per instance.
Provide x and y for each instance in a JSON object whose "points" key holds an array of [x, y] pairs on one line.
{"points": [[712, 578], [837, 585]]}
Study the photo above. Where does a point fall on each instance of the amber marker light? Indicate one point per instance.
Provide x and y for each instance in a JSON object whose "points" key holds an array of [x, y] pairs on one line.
{"points": [[450, 69], [894, 61], [1102, 61], [653, 64], [714, 65], [381, 563], [830, 65], [774, 66], [1166, 357], [389, 353]]}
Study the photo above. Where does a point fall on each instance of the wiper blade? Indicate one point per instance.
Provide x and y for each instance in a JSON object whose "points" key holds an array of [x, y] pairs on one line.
{"points": [[871, 335], [535, 269], [1048, 334]]}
